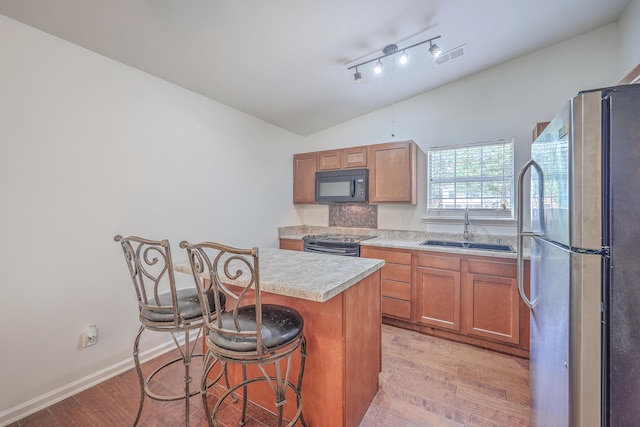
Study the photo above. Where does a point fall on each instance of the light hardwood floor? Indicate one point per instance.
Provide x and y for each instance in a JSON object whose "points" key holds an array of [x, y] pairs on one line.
{"points": [[425, 381], [428, 381]]}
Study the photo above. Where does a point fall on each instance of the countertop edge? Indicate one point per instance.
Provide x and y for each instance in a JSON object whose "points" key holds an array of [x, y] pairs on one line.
{"points": [[321, 296], [414, 245]]}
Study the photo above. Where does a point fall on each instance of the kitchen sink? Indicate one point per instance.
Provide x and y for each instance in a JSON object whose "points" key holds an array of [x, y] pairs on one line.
{"points": [[469, 245]]}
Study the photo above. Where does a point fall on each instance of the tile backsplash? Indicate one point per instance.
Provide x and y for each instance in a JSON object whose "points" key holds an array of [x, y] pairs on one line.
{"points": [[353, 215]]}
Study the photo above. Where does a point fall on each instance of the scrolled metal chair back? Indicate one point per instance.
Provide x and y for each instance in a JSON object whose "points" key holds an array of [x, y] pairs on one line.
{"points": [[233, 272], [150, 267]]}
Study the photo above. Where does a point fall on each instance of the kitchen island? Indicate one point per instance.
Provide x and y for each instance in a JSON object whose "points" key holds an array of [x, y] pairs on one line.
{"points": [[340, 301]]}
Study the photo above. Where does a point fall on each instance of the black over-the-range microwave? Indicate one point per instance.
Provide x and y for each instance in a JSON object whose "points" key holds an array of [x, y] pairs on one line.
{"points": [[340, 186]]}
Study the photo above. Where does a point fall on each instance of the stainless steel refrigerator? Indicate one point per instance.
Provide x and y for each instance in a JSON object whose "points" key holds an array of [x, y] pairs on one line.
{"points": [[585, 262]]}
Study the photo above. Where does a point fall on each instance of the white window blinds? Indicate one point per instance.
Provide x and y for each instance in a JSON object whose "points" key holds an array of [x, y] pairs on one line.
{"points": [[478, 176]]}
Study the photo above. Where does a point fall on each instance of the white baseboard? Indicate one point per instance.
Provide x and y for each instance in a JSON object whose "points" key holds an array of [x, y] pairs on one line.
{"points": [[22, 410]]}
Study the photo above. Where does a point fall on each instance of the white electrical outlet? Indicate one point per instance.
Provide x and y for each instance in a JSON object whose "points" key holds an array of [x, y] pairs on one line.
{"points": [[90, 336]]}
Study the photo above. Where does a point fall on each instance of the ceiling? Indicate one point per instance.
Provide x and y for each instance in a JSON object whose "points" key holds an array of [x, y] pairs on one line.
{"points": [[285, 61]]}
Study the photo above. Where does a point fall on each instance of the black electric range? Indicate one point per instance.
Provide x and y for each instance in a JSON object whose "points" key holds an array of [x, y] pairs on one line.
{"points": [[334, 243]]}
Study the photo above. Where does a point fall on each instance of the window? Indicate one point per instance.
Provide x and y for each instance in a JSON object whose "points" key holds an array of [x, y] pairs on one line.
{"points": [[477, 176]]}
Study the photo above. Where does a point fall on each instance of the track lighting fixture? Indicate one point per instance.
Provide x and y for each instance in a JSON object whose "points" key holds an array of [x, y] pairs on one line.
{"points": [[434, 50], [357, 76], [392, 49]]}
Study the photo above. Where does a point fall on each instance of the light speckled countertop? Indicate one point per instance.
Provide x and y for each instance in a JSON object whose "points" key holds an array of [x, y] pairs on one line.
{"points": [[415, 245], [304, 275], [410, 240]]}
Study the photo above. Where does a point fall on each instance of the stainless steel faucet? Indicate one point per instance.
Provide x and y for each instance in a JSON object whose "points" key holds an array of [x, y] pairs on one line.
{"points": [[467, 234]]}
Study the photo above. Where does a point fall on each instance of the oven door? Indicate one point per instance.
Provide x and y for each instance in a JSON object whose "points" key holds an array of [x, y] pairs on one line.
{"points": [[332, 248]]}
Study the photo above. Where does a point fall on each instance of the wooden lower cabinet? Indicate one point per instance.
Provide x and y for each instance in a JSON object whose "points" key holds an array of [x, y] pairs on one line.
{"points": [[465, 298], [396, 280], [439, 286], [492, 300]]}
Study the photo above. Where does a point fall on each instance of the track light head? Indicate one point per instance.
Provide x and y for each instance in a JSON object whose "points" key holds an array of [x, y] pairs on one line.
{"points": [[403, 57], [434, 50], [357, 76], [378, 68]]}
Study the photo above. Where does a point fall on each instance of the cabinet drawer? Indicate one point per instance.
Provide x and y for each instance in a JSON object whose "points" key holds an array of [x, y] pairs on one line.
{"points": [[504, 269], [397, 272], [441, 262], [388, 256], [395, 307], [396, 290], [291, 244]]}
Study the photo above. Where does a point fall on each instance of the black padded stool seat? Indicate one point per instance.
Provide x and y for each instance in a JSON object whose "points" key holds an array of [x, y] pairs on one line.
{"points": [[188, 306], [249, 333], [280, 326]]}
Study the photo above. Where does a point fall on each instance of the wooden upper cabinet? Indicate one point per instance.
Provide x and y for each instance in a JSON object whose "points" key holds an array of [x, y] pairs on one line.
{"points": [[392, 172], [540, 127], [354, 157], [329, 160], [346, 158], [305, 166], [632, 77]]}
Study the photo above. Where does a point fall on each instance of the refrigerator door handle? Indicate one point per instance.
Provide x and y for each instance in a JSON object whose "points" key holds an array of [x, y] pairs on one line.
{"points": [[521, 233], [520, 262]]}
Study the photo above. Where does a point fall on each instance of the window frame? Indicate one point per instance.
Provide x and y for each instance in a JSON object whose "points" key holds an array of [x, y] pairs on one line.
{"points": [[489, 214]]}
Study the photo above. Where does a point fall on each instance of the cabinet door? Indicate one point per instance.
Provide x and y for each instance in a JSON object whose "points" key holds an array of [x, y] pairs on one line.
{"points": [[329, 160], [392, 172], [492, 300], [355, 157], [304, 177], [439, 298], [492, 308]]}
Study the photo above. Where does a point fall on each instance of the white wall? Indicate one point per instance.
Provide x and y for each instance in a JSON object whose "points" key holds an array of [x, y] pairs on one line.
{"points": [[92, 148], [629, 45], [502, 102]]}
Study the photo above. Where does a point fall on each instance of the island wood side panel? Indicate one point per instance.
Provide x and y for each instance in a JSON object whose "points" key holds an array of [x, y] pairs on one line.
{"points": [[363, 346], [344, 356]]}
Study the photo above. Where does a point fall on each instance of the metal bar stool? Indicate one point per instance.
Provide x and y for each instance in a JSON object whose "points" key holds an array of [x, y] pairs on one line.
{"points": [[249, 332], [163, 308]]}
